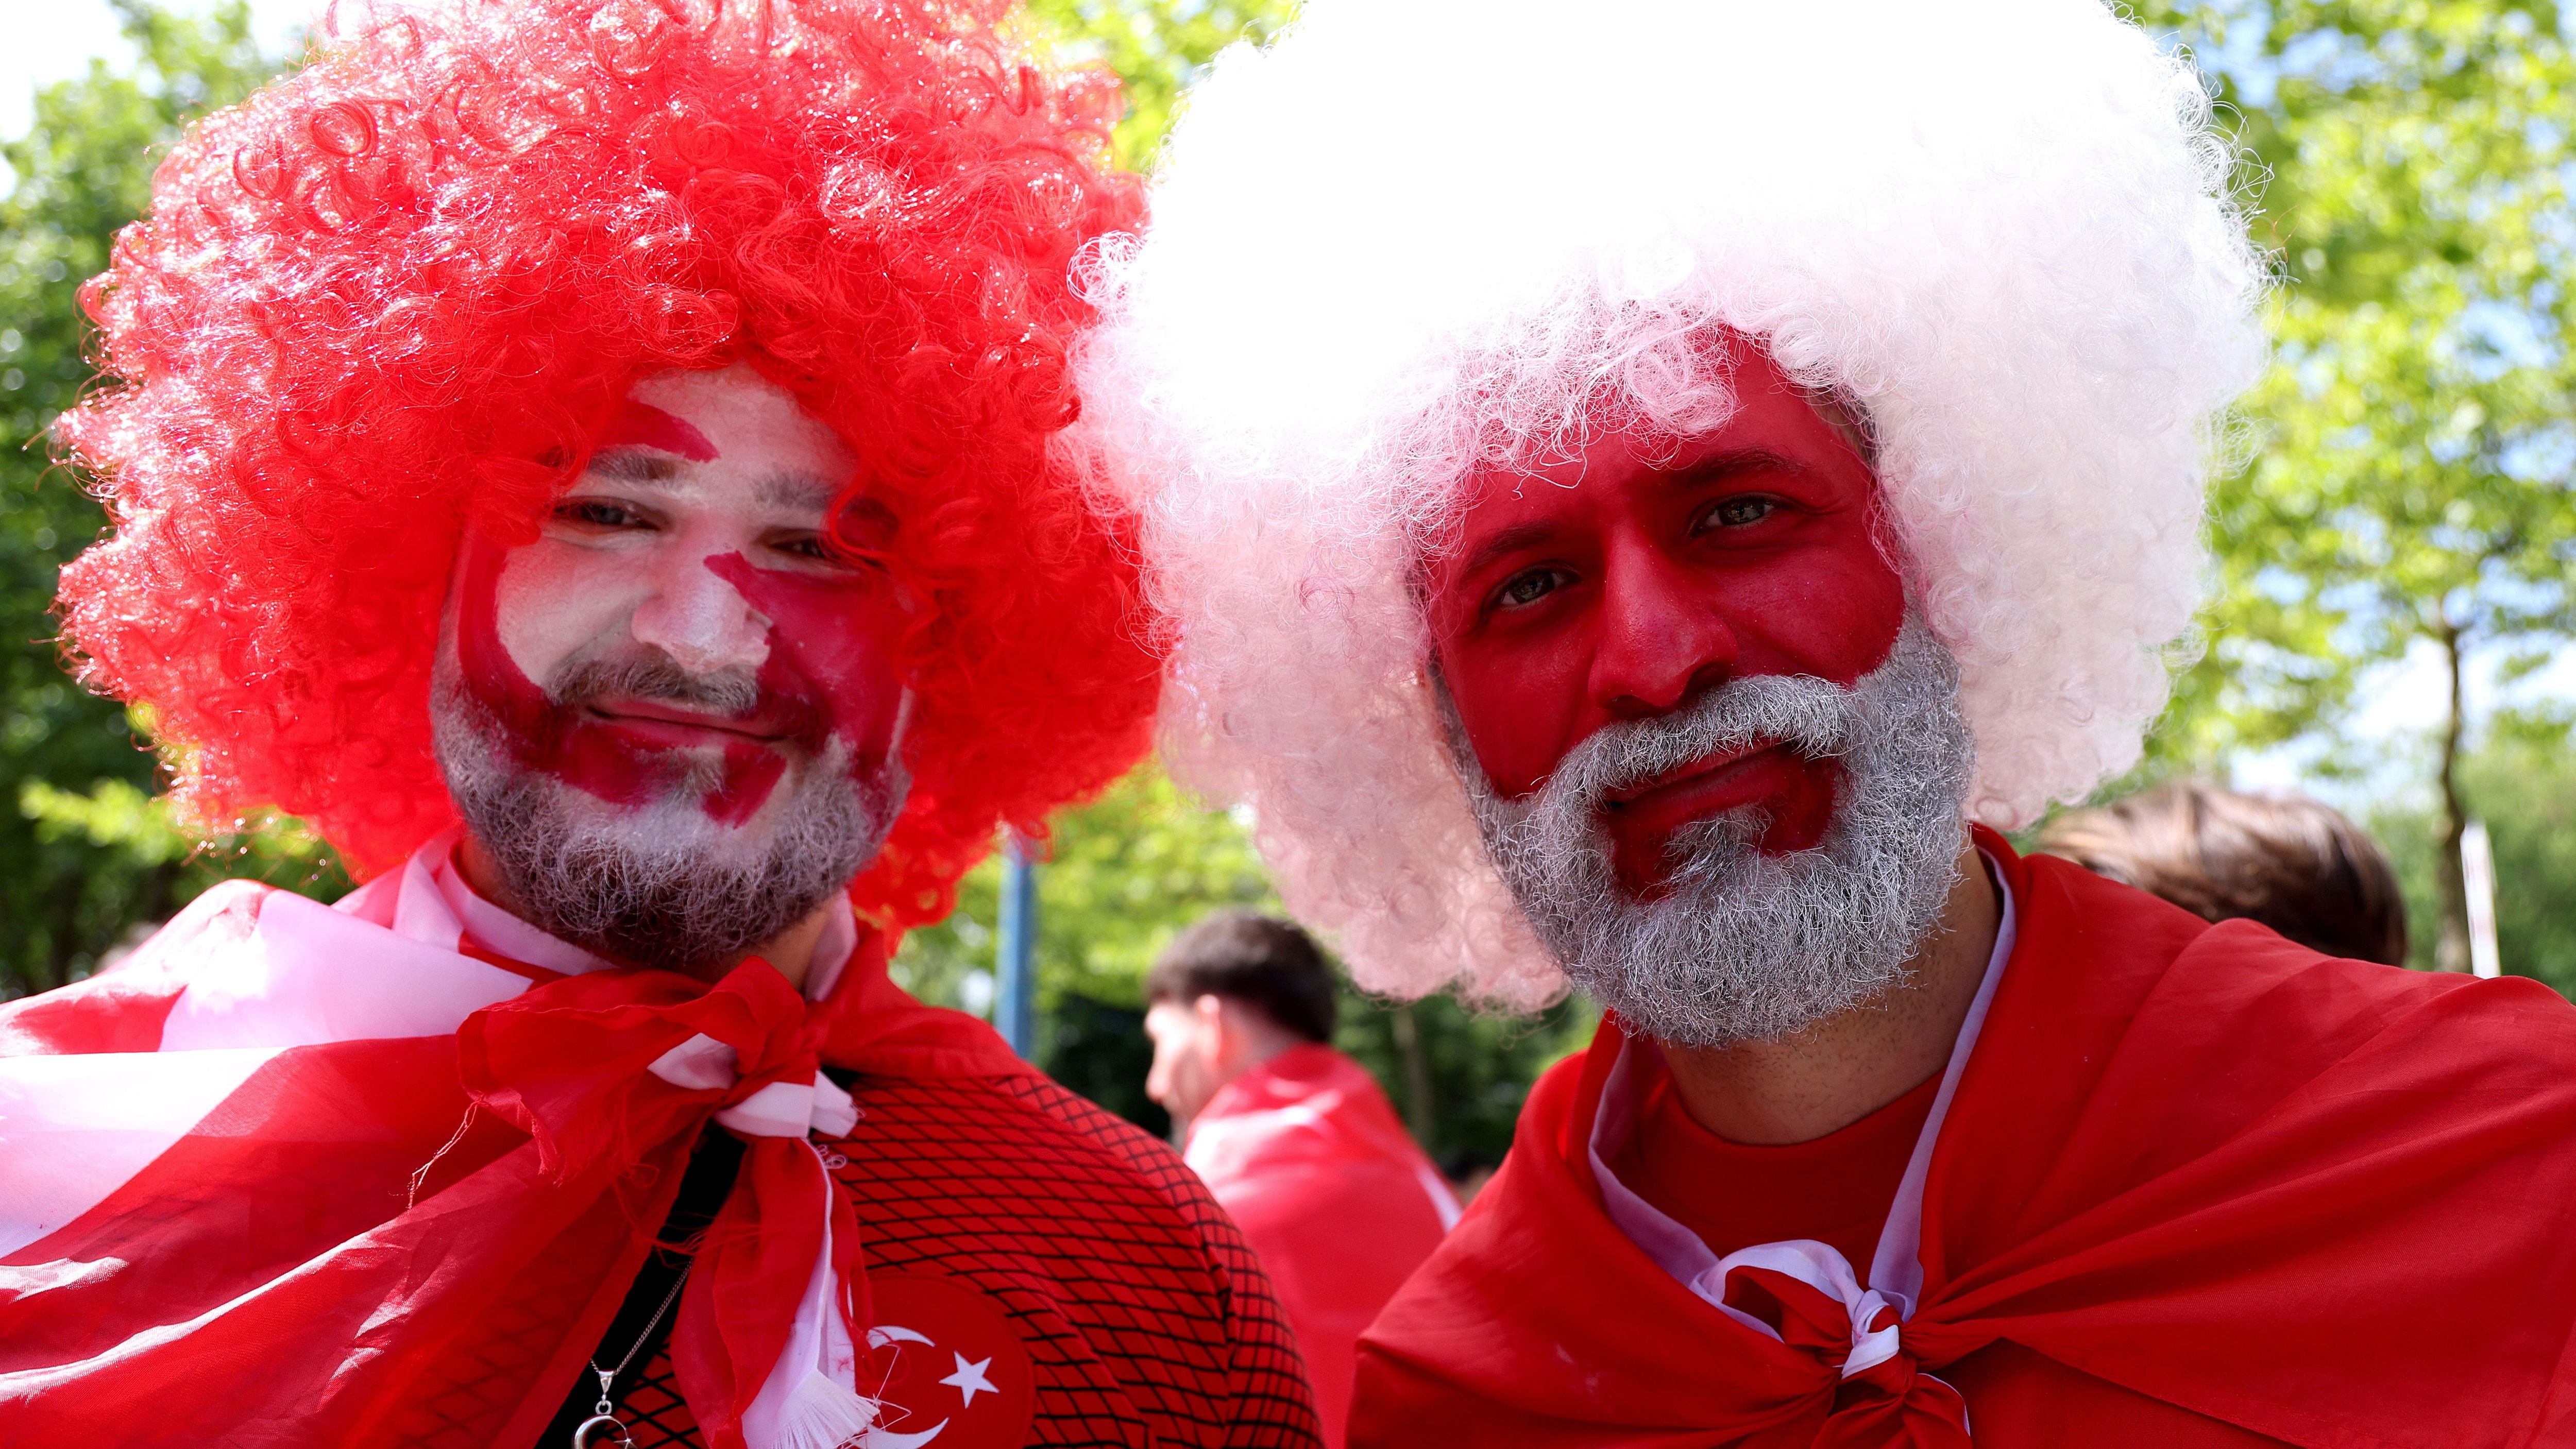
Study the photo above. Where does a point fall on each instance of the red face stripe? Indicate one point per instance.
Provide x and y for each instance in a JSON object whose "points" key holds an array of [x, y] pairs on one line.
{"points": [[644, 425], [841, 684], [830, 648]]}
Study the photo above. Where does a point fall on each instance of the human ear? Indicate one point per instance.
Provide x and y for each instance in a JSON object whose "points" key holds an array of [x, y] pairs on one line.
{"points": [[1215, 1031]]}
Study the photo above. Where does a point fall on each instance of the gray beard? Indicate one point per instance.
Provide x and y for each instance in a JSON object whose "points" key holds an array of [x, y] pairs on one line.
{"points": [[660, 884], [1745, 946]]}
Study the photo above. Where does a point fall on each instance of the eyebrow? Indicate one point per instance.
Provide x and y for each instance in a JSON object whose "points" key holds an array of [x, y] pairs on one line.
{"points": [[795, 488], [1503, 541], [1716, 468], [623, 464]]}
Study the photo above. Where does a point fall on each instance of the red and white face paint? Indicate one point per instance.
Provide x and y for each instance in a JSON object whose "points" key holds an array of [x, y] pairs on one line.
{"points": [[1616, 587], [696, 539]]}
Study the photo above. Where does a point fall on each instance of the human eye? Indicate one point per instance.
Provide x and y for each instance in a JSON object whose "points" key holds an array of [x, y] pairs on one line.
{"points": [[813, 549], [605, 515], [1528, 587], [1741, 511]]}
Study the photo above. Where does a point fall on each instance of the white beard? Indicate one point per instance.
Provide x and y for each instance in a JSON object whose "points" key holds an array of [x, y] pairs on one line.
{"points": [[661, 884], [1746, 946]]}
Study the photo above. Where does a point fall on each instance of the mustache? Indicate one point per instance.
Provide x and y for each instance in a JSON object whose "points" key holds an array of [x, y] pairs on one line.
{"points": [[1814, 717], [656, 677]]}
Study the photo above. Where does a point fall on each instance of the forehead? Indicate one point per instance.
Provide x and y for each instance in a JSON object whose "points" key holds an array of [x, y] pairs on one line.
{"points": [[1773, 416], [731, 431]]}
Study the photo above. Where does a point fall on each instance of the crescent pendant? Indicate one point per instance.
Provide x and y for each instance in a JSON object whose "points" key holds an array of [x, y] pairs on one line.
{"points": [[889, 1439]]}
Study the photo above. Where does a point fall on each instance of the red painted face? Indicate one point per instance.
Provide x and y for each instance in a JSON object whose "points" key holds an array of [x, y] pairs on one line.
{"points": [[1616, 588], [696, 539]]}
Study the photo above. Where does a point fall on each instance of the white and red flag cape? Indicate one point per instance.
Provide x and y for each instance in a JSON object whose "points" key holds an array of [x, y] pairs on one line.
{"points": [[295, 1175]]}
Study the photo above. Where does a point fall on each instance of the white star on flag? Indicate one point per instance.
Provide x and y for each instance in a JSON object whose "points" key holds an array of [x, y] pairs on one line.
{"points": [[969, 1379]]}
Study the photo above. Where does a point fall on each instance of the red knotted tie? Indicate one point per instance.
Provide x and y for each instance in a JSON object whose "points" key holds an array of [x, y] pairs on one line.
{"points": [[610, 1070]]}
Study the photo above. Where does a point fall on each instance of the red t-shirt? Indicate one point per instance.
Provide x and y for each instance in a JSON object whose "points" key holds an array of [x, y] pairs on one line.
{"points": [[1835, 1189]]}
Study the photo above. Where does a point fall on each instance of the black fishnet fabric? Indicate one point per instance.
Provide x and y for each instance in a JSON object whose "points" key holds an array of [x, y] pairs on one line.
{"points": [[1146, 1318]]}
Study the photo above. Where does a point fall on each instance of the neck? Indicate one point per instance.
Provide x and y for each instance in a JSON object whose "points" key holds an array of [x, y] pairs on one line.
{"points": [[1845, 1067], [791, 951]]}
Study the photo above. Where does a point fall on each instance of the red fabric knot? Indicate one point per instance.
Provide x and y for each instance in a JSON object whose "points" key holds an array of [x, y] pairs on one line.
{"points": [[1806, 1295], [615, 1071]]}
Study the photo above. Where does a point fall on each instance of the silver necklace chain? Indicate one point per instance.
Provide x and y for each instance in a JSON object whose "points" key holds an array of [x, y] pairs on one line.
{"points": [[603, 1419]]}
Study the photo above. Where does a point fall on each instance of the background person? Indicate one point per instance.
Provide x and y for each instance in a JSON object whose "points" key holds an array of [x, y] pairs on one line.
{"points": [[2291, 862], [1294, 1138]]}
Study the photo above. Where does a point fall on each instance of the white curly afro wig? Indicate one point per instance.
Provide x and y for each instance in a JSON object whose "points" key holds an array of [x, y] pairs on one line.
{"points": [[1417, 237]]}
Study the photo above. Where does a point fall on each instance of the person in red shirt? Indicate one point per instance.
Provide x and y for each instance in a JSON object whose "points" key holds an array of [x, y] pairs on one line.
{"points": [[593, 460], [1295, 1139], [1640, 494]]}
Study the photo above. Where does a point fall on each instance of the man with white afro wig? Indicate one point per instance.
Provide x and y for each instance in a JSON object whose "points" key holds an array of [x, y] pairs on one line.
{"points": [[1641, 492]]}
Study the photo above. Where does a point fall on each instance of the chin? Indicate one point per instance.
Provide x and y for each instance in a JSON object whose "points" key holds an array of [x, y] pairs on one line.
{"points": [[662, 883]]}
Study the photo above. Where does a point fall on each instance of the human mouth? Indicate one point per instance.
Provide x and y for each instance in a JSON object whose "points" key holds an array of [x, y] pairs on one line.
{"points": [[1712, 771], [1793, 791], [676, 725]]}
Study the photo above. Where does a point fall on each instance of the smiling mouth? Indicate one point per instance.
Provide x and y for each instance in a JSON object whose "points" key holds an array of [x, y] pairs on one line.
{"points": [[1706, 770]]}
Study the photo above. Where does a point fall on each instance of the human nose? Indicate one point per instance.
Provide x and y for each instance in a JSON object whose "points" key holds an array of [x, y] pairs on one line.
{"points": [[702, 621], [1661, 640]]}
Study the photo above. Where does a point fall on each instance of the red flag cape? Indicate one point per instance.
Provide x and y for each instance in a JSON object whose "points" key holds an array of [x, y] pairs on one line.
{"points": [[290, 1178], [1306, 1154], [2329, 1202]]}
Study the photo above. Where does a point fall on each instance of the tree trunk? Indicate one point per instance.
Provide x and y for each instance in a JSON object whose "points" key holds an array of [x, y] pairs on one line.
{"points": [[2451, 938], [1418, 1103]]}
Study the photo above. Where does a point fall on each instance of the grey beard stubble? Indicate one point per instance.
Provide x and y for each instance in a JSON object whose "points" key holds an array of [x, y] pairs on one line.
{"points": [[1745, 946], [658, 887]]}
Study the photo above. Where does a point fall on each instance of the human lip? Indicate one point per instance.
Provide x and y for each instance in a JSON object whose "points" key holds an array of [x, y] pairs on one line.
{"points": [[1714, 770], [679, 725]]}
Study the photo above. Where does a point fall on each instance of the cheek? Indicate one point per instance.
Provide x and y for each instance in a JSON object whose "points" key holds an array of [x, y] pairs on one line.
{"points": [[1834, 617], [548, 602], [834, 644], [1520, 707], [491, 670]]}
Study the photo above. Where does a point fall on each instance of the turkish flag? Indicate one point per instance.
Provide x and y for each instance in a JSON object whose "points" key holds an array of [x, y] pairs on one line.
{"points": [[945, 1365]]}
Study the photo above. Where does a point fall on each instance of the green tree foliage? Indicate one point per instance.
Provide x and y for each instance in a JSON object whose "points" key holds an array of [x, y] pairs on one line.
{"points": [[1127, 873], [2410, 480], [85, 856], [2521, 781], [1157, 47]]}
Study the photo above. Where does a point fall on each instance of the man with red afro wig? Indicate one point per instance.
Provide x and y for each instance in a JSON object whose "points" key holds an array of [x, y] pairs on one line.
{"points": [[593, 461]]}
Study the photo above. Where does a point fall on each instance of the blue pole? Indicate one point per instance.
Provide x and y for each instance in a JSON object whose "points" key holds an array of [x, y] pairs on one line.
{"points": [[1015, 999]]}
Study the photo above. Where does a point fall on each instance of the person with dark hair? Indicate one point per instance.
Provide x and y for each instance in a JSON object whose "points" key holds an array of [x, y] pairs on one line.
{"points": [[593, 460], [1294, 1138], [2284, 860]]}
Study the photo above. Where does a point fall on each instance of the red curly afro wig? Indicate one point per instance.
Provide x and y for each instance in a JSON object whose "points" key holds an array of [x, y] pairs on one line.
{"points": [[406, 286]]}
